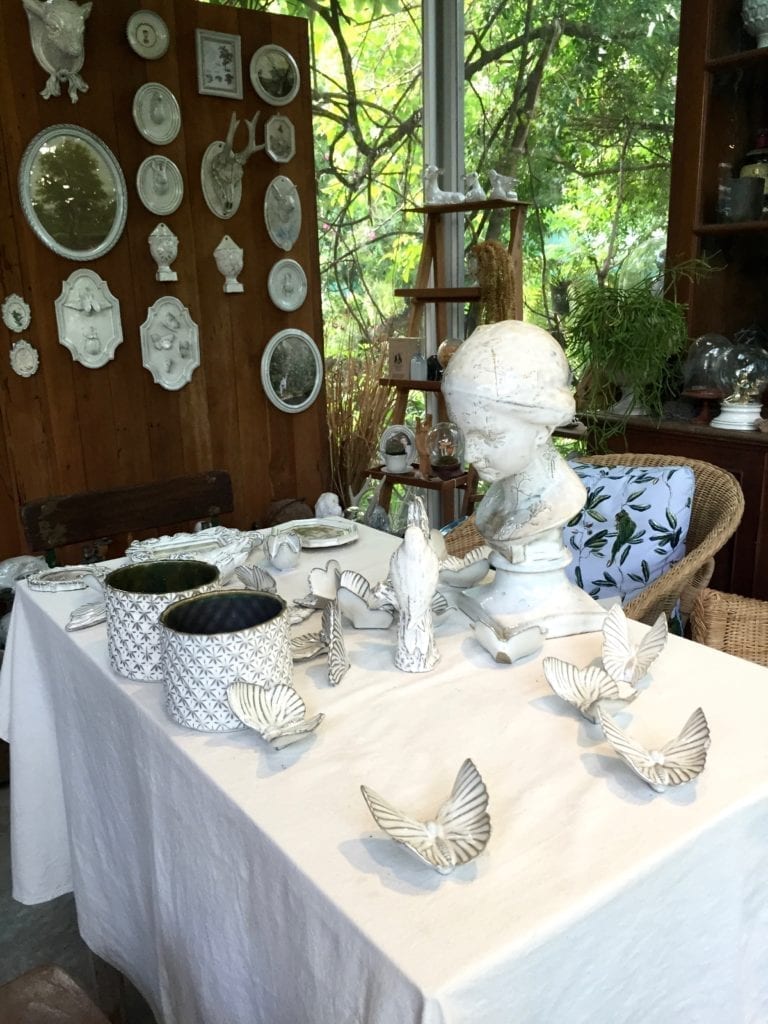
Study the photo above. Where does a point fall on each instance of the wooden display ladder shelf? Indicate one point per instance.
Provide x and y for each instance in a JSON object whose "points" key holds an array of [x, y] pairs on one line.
{"points": [[430, 284], [430, 288]]}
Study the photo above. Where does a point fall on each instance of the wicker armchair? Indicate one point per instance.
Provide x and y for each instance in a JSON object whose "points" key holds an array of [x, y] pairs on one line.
{"points": [[736, 625], [716, 511]]}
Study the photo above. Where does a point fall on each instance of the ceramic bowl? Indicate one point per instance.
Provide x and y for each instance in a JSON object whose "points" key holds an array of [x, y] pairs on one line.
{"points": [[211, 640], [135, 595]]}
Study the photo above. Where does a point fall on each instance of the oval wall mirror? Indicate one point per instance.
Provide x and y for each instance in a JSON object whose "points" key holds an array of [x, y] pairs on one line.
{"points": [[73, 192], [291, 370]]}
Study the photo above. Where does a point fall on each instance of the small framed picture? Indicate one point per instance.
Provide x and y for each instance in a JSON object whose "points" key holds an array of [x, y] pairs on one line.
{"points": [[219, 64], [274, 74]]}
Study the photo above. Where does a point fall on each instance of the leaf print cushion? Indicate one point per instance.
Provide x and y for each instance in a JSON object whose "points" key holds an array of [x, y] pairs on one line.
{"points": [[632, 528]]}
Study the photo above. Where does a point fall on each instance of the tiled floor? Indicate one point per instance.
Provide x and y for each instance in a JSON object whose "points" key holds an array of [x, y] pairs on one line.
{"points": [[47, 933]]}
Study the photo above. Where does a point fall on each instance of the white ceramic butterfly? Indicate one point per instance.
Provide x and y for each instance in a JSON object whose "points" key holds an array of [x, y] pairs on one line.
{"points": [[623, 660], [276, 713], [357, 602], [584, 687], [678, 761], [459, 831], [253, 577], [308, 646]]}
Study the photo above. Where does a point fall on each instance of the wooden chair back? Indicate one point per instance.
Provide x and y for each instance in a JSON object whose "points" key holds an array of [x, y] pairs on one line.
{"points": [[64, 519]]}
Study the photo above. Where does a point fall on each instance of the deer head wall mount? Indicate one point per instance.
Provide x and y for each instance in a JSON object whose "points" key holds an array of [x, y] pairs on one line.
{"points": [[57, 33], [222, 170]]}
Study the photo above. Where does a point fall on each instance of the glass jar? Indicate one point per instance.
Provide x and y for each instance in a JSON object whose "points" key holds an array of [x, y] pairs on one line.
{"points": [[445, 443], [418, 365], [743, 368], [700, 370]]}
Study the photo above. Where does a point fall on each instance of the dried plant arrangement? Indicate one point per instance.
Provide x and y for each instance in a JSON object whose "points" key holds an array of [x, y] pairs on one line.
{"points": [[496, 280], [358, 408]]}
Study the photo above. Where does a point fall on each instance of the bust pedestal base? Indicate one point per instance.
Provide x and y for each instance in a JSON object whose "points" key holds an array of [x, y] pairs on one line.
{"points": [[526, 604]]}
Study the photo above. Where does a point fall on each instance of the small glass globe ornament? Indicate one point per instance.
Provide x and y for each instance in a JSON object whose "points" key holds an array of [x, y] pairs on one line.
{"points": [[743, 368], [700, 370], [445, 443]]}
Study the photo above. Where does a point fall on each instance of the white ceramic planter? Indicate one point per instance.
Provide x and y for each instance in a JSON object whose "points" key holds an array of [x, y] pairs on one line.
{"points": [[135, 595], [212, 640]]}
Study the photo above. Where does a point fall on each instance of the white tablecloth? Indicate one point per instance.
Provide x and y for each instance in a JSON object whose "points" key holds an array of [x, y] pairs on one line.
{"points": [[237, 884]]}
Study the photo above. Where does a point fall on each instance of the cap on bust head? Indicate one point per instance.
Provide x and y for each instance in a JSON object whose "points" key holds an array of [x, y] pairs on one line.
{"points": [[513, 363]]}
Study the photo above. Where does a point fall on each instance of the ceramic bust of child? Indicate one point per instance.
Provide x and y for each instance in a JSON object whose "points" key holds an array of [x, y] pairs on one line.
{"points": [[508, 388]]}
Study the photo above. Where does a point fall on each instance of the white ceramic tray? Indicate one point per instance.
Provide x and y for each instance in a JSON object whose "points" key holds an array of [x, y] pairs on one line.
{"points": [[225, 548], [330, 532]]}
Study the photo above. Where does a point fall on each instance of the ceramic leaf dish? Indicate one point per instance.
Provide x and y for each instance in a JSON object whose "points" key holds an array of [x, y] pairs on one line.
{"points": [[459, 831]]}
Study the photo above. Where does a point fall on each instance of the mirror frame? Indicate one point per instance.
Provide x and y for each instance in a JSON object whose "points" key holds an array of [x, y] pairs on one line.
{"points": [[106, 154], [266, 359]]}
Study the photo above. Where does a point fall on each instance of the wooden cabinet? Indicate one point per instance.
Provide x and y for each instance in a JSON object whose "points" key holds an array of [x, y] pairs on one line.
{"points": [[722, 104], [742, 565]]}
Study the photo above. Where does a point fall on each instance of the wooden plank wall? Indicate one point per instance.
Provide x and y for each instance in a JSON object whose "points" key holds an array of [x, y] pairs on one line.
{"points": [[70, 428]]}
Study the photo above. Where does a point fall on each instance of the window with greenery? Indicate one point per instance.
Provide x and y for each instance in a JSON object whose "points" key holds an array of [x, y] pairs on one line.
{"points": [[573, 97]]}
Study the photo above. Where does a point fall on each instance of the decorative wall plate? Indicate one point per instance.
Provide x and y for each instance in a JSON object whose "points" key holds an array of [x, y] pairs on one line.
{"points": [[282, 212], [148, 34], [24, 358], [280, 138], [156, 113], [16, 314], [170, 347], [291, 370], [287, 285], [160, 185], [88, 317], [274, 74]]}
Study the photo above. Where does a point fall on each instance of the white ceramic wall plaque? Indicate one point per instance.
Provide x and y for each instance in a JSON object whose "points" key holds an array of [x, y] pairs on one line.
{"points": [[280, 139], [160, 185], [287, 285], [88, 318], [156, 113], [24, 358], [282, 212], [229, 261], [16, 314], [164, 248], [57, 33], [170, 346]]}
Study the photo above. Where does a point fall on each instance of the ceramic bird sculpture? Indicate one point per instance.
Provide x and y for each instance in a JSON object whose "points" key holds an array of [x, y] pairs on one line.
{"points": [[414, 571]]}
